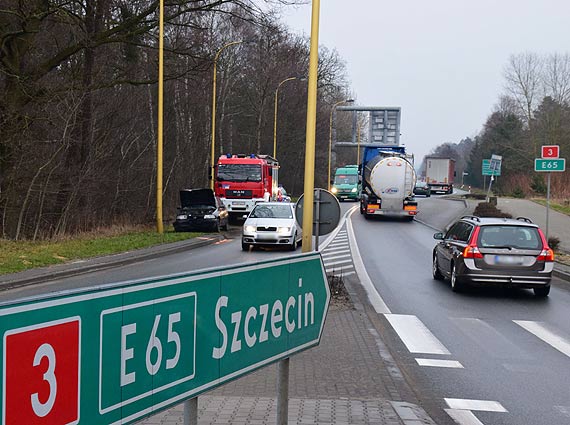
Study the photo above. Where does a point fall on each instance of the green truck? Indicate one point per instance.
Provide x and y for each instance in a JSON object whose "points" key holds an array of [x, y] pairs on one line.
{"points": [[346, 185]]}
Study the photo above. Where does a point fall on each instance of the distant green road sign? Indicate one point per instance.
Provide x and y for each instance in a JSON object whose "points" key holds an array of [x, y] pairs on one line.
{"points": [[550, 165], [491, 168], [115, 354]]}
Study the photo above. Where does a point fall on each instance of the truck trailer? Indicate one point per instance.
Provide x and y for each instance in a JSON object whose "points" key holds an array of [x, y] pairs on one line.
{"points": [[388, 179], [440, 173], [242, 181]]}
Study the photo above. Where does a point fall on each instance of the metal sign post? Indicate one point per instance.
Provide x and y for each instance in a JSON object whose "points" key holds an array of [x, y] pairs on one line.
{"points": [[550, 162], [547, 202], [493, 170]]}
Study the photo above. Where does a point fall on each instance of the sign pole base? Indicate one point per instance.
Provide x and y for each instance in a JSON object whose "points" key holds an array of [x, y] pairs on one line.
{"points": [[191, 411], [283, 392]]}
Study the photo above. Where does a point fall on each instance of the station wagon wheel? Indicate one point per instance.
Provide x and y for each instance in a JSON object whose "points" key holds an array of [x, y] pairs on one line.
{"points": [[456, 285], [435, 269]]}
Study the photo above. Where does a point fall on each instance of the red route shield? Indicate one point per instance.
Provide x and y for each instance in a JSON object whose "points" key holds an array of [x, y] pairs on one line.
{"points": [[41, 374], [550, 151]]}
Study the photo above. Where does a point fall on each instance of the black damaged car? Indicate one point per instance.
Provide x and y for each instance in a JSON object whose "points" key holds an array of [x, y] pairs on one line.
{"points": [[200, 210]]}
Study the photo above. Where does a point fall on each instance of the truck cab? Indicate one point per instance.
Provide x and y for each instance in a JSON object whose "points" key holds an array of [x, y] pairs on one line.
{"points": [[242, 181]]}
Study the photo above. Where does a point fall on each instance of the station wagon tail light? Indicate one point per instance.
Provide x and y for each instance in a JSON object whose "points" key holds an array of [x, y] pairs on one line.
{"points": [[546, 254], [471, 250]]}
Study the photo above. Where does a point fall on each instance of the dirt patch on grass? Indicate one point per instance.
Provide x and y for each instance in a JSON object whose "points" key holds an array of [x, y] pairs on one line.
{"points": [[340, 298], [562, 258]]}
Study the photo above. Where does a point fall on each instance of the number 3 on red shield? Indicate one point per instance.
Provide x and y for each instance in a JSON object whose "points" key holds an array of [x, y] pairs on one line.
{"points": [[41, 372]]}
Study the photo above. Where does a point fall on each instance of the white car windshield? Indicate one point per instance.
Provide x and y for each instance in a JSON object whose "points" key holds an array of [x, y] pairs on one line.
{"points": [[272, 211]]}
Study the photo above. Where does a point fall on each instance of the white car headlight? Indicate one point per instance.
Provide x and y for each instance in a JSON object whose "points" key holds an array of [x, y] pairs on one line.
{"points": [[334, 190], [353, 190], [209, 217], [283, 230], [249, 229], [181, 217]]}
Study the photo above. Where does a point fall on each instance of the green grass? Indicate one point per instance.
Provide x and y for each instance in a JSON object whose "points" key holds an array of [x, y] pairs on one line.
{"points": [[564, 209], [16, 256]]}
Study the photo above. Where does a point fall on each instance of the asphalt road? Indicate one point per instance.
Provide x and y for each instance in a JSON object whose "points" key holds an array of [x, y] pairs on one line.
{"points": [[492, 338], [494, 335]]}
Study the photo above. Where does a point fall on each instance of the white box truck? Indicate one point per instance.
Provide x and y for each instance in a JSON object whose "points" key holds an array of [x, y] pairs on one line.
{"points": [[440, 174]]}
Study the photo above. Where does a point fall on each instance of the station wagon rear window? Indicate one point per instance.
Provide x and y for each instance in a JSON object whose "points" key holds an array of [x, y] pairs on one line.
{"points": [[520, 237]]}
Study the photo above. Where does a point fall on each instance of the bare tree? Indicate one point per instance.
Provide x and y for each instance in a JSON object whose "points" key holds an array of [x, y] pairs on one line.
{"points": [[523, 75], [557, 77]]}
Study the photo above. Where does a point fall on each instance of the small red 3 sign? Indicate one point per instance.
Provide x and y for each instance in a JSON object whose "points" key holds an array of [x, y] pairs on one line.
{"points": [[551, 151], [41, 372]]}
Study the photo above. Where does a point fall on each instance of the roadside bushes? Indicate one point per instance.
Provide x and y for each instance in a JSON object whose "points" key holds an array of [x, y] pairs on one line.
{"points": [[485, 209], [553, 243]]}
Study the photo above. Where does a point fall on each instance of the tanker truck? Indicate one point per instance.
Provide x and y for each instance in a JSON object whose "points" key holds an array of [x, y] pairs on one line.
{"points": [[388, 179]]}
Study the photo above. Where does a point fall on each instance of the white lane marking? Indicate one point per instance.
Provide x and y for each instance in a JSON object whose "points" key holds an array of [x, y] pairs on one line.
{"points": [[336, 257], [480, 405], [337, 252], [415, 335], [339, 244], [547, 336], [340, 273], [340, 269], [335, 232], [564, 410], [463, 417], [334, 263], [373, 296], [453, 364], [334, 250]]}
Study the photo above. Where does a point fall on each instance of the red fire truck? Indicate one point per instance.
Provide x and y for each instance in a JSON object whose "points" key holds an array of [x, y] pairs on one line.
{"points": [[245, 180]]}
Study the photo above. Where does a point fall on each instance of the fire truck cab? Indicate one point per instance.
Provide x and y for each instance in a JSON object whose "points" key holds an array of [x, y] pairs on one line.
{"points": [[242, 181]]}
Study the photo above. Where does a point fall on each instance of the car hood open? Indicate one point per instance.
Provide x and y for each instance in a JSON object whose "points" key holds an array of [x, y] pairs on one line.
{"points": [[193, 197]]}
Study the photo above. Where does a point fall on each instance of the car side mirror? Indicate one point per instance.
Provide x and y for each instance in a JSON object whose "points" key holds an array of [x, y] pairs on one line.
{"points": [[244, 216], [438, 236]]}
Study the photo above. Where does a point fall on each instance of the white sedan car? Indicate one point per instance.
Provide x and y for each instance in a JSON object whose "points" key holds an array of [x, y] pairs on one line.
{"points": [[271, 223]]}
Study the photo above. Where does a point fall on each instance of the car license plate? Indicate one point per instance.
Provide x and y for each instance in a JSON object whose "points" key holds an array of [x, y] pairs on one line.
{"points": [[238, 203], [509, 259]]}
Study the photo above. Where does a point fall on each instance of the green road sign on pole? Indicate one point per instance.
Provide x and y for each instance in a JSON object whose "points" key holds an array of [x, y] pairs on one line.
{"points": [[491, 168], [549, 165], [116, 354]]}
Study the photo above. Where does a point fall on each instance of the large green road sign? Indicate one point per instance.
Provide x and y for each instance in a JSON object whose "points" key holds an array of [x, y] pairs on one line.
{"points": [[491, 168], [115, 354]]}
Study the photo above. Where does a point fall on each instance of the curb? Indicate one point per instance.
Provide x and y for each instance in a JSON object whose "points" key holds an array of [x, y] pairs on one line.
{"points": [[45, 274], [561, 274]]}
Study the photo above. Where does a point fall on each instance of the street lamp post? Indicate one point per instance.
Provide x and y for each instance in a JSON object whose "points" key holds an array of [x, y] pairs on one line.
{"points": [[213, 147], [159, 225], [358, 144], [275, 115], [330, 134]]}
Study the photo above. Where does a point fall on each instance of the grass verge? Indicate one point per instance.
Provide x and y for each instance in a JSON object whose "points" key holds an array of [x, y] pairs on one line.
{"points": [[564, 209], [16, 256]]}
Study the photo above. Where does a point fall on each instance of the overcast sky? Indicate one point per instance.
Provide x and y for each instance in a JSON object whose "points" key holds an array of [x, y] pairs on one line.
{"points": [[441, 61]]}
